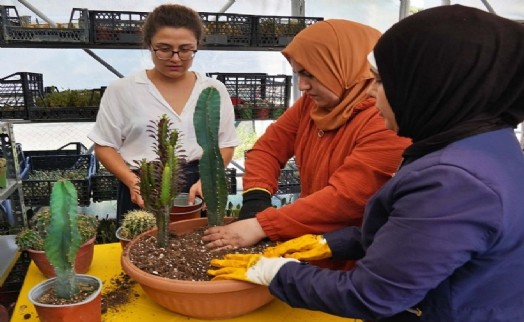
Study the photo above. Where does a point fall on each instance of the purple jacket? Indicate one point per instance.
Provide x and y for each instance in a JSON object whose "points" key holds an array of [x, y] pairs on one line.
{"points": [[444, 237]]}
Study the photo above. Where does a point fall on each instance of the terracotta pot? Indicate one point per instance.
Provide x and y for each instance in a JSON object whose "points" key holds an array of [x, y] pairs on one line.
{"points": [[182, 211], [123, 241], [89, 310], [263, 113], [83, 260], [197, 299]]}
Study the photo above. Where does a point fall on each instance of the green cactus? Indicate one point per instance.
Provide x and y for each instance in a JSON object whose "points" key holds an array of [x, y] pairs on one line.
{"points": [[212, 170], [136, 222], [34, 236], [29, 239], [63, 237], [161, 179]]}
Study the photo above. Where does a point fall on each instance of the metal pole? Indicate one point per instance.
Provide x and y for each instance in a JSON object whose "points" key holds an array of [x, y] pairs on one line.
{"points": [[404, 9], [488, 6], [298, 8], [53, 25], [227, 6]]}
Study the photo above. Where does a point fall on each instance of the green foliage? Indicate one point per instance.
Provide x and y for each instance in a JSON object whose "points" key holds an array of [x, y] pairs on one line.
{"points": [[70, 98], [106, 230], [247, 136], [161, 179], [212, 170], [136, 222], [29, 239], [63, 237]]}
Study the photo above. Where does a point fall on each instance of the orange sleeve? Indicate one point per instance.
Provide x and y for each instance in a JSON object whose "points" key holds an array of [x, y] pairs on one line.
{"points": [[374, 156]]}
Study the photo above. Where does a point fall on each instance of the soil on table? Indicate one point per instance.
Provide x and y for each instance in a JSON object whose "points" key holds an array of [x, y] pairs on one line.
{"points": [[185, 258]]}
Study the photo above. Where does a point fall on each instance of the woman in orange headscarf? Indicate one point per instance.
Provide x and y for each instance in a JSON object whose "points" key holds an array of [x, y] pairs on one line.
{"points": [[339, 140]]}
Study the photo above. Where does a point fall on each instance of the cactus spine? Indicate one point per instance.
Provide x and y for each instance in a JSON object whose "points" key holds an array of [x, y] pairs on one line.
{"points": [[212, 170]]}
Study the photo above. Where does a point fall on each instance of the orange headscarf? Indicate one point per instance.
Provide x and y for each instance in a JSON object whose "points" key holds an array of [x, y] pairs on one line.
{"points": [[335, 52]]}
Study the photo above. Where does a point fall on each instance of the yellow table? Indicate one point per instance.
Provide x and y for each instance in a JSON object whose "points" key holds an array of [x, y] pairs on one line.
{"points": [[106, 265]]}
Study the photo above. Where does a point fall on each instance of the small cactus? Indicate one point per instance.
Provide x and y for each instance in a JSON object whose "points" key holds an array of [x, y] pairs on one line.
{"points": [[136, 222], [29, 239], [34, 236]]}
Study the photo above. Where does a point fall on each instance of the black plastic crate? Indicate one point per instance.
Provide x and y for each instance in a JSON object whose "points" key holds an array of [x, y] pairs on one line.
{"points": [[18, 93], [38, 191], [17, 30], [257, 96], [71, 148], [231, 178], [289, 180], [79, 114], [278, 31], [120, 27], [227, 29], [104, 185]]}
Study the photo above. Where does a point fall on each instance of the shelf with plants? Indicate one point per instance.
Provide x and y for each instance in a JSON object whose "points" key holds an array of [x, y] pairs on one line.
{"points": [[257, 96], [12, 197], [123, 29], [23, 96]]}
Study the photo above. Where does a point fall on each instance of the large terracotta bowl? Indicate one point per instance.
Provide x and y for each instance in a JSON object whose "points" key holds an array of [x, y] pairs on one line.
{"points": [[197, 299]]}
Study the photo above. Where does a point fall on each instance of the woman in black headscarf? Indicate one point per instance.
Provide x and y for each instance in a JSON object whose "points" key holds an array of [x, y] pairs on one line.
{"points": [[443, 240]]}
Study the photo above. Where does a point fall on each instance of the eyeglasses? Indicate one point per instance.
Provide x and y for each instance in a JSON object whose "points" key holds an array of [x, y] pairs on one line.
{"points": [[167, 53]]}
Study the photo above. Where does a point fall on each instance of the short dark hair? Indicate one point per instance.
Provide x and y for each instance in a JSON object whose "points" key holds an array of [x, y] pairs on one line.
{"points": [[172, 15]]}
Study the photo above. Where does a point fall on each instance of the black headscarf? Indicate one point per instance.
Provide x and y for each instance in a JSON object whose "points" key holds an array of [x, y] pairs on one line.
{"points": [[451, 72]]}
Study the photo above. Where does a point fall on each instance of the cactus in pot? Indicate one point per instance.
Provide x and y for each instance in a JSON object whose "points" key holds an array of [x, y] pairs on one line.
{"points": [[69, 296], [136, 222], [161, 179], [211, 167], [34, 236]]}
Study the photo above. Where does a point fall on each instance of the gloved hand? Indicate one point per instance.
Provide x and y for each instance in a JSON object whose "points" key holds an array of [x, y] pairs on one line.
{"points": [[307, 247], [254, 201], [253, 268]]}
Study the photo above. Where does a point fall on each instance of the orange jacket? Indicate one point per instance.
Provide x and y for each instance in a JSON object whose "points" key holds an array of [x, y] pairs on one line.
{"points": [[339, 170]]}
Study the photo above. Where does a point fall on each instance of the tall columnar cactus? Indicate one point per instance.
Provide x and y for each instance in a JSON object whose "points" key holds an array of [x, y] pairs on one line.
{"points": [[63, 238], [212, 170], [161, 179]]}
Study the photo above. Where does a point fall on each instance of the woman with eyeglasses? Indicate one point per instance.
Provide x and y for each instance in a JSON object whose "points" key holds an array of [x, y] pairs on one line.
{"points": [[172, 34]]}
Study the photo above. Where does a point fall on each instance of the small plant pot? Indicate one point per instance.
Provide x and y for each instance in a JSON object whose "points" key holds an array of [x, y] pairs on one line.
{"points": [[182, 211], [88, 310], [83, 259], [123, 241]]}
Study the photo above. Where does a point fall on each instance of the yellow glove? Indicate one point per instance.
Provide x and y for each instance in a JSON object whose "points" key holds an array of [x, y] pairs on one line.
{"points": [[253, 268], [307, 247]]}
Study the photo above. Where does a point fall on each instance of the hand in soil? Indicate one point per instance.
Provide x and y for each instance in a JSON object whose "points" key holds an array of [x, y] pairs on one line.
{"points": [[185, 258]]}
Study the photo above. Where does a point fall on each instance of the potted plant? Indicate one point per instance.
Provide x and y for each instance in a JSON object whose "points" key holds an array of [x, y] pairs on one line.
{"points": [[32, 240], [193, 298], [134, 223], [68, 297], [181, 210]]}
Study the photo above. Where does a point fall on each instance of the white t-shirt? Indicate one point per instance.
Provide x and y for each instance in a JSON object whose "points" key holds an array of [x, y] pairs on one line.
{"points": [[130, 103]]}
